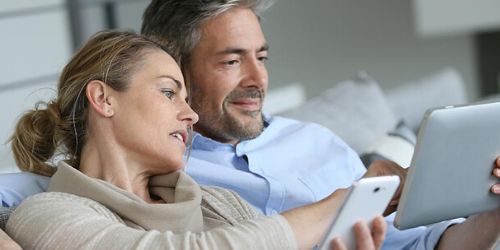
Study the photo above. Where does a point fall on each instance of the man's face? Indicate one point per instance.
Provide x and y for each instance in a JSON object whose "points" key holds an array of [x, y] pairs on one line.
{"points": [[228, 77]]}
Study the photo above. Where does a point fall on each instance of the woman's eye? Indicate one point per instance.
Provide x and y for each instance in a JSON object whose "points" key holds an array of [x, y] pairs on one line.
{"points": [[168, 93]]}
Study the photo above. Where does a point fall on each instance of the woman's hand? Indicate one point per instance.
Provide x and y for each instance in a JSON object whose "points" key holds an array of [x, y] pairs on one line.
{"points": [[7, 243], [365, 238]]}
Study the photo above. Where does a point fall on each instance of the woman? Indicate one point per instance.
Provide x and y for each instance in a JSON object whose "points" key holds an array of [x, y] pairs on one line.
{"points": [[121, 122]]}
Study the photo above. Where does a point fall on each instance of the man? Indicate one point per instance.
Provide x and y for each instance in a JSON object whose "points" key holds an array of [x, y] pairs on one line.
{"points": [[274, 163]]}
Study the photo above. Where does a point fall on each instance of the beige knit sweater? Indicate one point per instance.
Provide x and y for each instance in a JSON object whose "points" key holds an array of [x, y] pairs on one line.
{"points": [[86, 213]]}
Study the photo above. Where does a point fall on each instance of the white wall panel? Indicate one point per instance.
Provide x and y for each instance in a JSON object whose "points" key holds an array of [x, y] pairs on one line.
{"points": [[19, 5], [323, 42], [33, 45], [446, 17], [129, 14]]}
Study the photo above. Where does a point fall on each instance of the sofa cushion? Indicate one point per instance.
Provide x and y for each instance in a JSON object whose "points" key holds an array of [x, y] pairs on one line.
{"points": [[355, 110], [410, 101], [397, 146], [4, 216]]}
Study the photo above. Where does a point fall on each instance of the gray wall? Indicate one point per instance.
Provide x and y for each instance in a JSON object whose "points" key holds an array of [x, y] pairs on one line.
{"points": [[35, 45], [315, 42], [322, 42]]}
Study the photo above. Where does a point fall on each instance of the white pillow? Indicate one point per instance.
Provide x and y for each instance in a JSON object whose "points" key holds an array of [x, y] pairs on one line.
{"points": [[409, 101], [397, 146], [355, 110]]}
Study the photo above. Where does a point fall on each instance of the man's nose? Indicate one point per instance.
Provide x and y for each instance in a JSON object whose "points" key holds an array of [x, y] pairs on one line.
{"points": [[256, 74]]}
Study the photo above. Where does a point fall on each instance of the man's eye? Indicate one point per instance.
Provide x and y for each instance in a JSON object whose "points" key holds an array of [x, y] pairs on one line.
{"points": [[168, 93], [263, 58], [231, 63]]}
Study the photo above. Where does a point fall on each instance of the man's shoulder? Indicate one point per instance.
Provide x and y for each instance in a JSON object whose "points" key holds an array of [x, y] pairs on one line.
{"points": [[14, 187], [21, 177], [289, 129], [287, 134], [280, 122]]}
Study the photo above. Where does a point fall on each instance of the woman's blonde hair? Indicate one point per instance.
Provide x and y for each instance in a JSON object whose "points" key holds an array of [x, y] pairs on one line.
{"points": [[60, 124]]}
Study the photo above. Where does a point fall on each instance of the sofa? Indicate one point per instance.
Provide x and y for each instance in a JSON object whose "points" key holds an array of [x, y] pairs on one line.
{"points": [[376, 123]]}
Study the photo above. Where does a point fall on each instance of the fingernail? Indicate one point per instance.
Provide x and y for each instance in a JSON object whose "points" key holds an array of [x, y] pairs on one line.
{"points": [[496, 189], [497, 172]]}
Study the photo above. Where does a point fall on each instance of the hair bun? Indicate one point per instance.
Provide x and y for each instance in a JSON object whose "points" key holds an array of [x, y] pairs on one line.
{"points": [[32, 143]]}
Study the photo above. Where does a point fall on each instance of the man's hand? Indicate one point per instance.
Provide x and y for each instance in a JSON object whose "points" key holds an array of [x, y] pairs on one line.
{"points": [[366, 238], [496, 172], [7, 243], [480, 231], [383, 168]]}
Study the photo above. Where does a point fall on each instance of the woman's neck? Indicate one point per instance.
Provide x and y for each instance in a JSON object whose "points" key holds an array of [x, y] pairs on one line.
{"points": [[102, 159]]}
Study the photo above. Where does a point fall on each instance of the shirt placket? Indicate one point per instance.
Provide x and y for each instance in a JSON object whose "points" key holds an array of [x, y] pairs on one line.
{"points": [[276, 190]]}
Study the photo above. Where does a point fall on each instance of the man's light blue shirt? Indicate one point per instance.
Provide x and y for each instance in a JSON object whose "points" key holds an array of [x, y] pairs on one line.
{"points": [[290, 164]]}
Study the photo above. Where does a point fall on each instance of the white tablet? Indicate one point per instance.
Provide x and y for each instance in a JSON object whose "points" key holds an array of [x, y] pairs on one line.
{"points": [[451, 169]]}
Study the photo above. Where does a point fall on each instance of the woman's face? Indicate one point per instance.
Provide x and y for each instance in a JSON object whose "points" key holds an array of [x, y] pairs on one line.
{"points": [[152, 116]]}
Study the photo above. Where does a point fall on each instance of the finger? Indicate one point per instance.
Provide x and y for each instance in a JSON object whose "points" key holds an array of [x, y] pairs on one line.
{"points": [[363, 236], [393, 204], [379, 227], [498, 162], [337, 244], [390, 209], [495, 189], [402, 177], [496, 171], [397, 196]]}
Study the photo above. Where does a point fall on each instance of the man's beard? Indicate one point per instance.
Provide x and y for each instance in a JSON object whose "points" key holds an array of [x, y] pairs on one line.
{"points": [[236, 130], [225, 126]]}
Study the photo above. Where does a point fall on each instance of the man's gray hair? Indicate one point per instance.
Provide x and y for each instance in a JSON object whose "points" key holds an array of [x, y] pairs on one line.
{"points": [[175, 24]]}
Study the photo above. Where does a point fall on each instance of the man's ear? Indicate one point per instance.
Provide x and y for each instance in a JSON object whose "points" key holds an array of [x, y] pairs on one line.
{"points": [[97, 94]]}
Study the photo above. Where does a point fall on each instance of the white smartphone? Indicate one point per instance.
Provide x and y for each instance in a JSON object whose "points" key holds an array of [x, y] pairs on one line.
{"points": [[367, 198]]}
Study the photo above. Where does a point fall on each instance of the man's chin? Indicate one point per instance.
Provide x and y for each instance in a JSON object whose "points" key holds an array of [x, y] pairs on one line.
{"points": [[244, 126]]}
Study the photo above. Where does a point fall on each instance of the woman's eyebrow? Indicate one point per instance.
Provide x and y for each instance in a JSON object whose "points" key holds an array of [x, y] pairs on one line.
{"points": [[177, 82]]}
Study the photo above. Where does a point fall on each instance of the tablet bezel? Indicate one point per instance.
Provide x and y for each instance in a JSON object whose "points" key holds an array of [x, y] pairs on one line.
{"points": [[441, 183]]}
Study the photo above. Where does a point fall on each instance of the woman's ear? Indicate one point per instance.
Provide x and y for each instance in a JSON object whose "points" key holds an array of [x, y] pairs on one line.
{"points": [[97, 94]]}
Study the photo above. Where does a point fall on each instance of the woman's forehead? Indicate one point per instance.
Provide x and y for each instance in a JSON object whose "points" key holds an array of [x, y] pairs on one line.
{"points": [[162, 64]]}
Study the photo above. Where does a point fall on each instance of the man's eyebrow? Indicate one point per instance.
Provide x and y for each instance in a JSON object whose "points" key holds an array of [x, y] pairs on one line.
{"points": [[234, 50], [265, 47], [177, 82]]}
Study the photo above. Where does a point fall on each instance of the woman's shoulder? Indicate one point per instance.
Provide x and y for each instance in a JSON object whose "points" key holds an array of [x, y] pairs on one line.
{"points": [[226, 204], [55, 205], [217, 195], [57, 199]]}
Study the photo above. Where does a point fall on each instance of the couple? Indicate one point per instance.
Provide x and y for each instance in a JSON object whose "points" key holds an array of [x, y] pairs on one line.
{"points": [[222, 51]]}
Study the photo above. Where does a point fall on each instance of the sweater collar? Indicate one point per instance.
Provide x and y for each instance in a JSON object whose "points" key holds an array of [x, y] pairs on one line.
{"points": [[180, 213]]}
